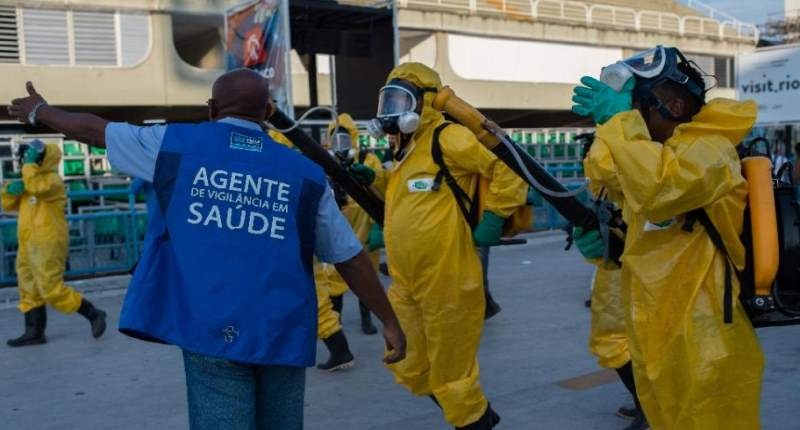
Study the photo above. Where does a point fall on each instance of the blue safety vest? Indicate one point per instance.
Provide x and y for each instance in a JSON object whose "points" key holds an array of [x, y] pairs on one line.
{"points": [[227, 269]]}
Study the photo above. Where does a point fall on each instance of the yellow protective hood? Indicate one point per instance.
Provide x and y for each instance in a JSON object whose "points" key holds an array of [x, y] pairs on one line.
{"points": [[52, 156], [421, 76], [345, 121], [279, 137], [729, 118]]}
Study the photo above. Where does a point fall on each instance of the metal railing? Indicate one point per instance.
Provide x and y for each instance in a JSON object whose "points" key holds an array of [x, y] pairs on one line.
{"points": [[709, 11], [592, 14], [102, 240], [367, 3]]}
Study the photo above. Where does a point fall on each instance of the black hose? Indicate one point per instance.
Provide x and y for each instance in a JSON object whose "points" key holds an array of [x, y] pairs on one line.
{"points": [[365, 198], [569, 207]]}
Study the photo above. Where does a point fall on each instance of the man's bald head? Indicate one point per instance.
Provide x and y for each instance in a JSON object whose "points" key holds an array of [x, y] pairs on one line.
{"points": [[240, 93]]}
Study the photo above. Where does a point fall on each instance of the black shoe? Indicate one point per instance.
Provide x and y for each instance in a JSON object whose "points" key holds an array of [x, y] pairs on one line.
{"points": [[35, 323], [495, 417], [366, 319], [384, 269], [341, 358], [488, 421], [639, 423], [492, 308], [628, 412], [95, 316]]}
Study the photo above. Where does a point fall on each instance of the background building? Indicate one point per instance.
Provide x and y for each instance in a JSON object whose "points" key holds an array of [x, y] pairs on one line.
{"points": [[154, 60]]}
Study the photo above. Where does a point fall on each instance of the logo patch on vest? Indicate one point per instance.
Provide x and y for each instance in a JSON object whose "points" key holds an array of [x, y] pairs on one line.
{"points": [[420, 185], [246, 143], [230, 333], [655, 226]]}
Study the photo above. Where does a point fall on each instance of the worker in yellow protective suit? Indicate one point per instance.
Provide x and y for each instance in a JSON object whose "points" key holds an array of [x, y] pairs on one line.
{"points": [[437, 289], [343, 143], [668, 154], [329, 327], [608, 340], [42, 254]]}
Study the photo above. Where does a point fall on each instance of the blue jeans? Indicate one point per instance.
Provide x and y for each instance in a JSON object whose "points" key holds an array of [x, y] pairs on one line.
{"points": [[234, 396]]}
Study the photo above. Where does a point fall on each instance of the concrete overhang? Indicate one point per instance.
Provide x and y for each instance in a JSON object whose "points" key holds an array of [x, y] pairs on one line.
{"points": [[578, 33]]}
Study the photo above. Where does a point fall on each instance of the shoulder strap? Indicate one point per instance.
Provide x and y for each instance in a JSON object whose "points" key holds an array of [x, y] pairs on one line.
{"points": [[362, 155], [701, 216], [467, 205]]}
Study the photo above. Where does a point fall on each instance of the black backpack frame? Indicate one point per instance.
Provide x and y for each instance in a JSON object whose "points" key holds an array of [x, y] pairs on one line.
{"points": [[782, 306]]}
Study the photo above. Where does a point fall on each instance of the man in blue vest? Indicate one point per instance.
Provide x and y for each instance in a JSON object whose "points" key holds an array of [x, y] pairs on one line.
{"points": [[226, 272]]}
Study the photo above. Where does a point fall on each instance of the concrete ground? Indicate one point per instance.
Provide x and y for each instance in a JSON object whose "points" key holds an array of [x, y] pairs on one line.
{"points": [[538, 341]]}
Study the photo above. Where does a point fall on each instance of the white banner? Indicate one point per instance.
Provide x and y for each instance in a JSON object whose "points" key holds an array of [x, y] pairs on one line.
{"points": [[492, 59], [771, 77]]}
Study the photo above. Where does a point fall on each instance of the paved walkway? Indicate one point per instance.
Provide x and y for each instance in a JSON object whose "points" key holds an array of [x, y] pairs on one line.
{"points": [[537, 342]]}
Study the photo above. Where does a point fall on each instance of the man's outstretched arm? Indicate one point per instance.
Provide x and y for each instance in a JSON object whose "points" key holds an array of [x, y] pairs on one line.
{"points": [[360, 276], [83, 127]]}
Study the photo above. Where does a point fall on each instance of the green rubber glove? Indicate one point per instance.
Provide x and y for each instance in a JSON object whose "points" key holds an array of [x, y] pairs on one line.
{"points": [[16, 188], [590, 243], [362, 174], [489, 230], [31, 156], [375, 238], [601, 102]]}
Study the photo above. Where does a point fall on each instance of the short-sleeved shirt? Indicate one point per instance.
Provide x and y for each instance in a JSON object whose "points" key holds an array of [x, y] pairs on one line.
{"points": [[133, 150]]}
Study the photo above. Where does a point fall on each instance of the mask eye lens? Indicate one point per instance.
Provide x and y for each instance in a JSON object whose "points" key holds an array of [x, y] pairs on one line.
{"points": [[647, 64], [395, 100], [341, 142]]}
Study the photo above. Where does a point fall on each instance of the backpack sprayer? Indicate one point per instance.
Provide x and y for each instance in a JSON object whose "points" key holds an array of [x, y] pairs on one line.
{"points": [[770, 282], [563, 200]]}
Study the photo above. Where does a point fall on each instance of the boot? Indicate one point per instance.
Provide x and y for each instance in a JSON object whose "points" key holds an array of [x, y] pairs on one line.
{"points": [[341, 358], [639, 423], [486, 422], [366, 319], [35, 323], [338, 303], [628, 412], [95, 316], [492, 308]]}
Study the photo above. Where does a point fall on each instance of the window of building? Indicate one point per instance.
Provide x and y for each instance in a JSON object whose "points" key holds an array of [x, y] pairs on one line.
{"points": [[134, 35], [46, 37], [81, 38], [95, 38], [9, 41], [724, 70], [720, 68]]}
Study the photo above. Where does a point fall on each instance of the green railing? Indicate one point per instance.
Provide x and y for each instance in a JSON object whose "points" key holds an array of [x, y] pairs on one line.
{"points": [[103, 240]]}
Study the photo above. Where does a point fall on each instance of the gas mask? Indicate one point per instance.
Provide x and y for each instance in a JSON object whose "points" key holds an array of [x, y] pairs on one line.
{"points": [[397, 109], [651, 68], [36, 144], [341, 144]]}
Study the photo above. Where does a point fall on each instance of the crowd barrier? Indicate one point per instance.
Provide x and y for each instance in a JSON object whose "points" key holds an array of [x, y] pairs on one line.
{"points": [[103, 239]]}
